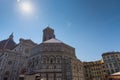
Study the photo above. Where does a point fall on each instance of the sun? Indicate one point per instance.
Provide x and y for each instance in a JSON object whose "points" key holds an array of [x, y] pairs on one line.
{"points": [[26, 7]]}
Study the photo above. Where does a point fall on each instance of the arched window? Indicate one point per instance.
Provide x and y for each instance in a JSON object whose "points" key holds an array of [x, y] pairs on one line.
{"points": [[52, 59]]}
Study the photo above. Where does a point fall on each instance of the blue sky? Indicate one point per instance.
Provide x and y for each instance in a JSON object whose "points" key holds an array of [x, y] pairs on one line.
{"points": [[91, 26]]}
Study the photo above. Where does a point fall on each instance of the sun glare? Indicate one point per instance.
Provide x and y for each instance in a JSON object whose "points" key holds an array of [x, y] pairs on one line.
{"points": [[26, 7]]}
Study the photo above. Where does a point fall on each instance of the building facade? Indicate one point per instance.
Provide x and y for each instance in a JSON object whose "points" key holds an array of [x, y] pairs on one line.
{"points": [[13, 58], [112, 62], [54, 60], [94, 70], [50, 60]]}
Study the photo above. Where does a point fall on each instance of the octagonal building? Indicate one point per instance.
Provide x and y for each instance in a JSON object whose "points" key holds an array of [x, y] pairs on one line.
{"points": [[53, 60]]}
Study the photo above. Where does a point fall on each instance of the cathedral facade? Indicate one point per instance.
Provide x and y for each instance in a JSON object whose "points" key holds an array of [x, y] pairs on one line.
{"points": [[13, 57], [50, 60]]}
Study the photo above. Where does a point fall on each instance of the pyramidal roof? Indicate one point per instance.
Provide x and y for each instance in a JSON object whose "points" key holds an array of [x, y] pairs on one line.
{"points": [[53, 40], [7, 43]]}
